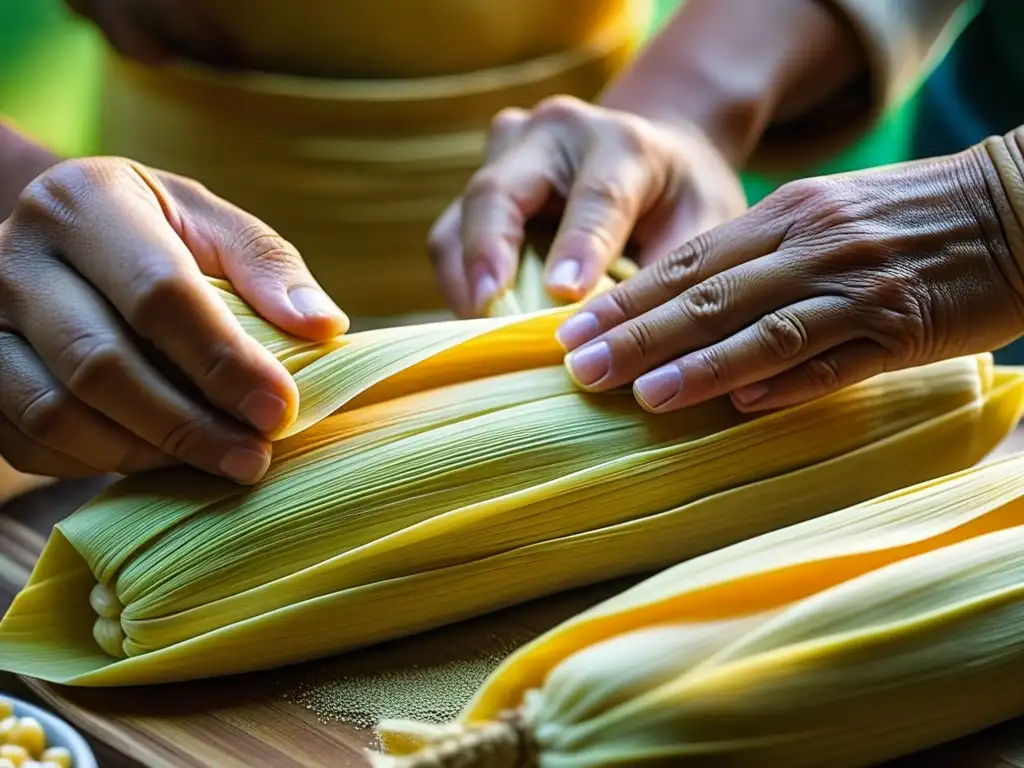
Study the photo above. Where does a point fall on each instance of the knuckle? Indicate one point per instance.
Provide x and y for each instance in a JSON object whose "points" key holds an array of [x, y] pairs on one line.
{"points": [[821, 200], [217, 359], [714, 364], [561, 108], [801, 192], [486, 182], [782, 334], [91, 362], [62, 195], [263, 248], [702, 304], [158, 290], [607, 191], [186, 437], [622, 301], [633, 135], [639, 339], [900, 320], [445, 231], [507, 119], [823, 373], [41, 416], [681, 266], [51, 197]]}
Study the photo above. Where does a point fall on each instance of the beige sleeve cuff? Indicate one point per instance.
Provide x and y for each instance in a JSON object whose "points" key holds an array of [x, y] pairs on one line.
{"points": [[1004, 175], [903, 40]]}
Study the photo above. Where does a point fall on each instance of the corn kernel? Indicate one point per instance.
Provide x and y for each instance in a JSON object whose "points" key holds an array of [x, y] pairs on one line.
{"points": [[15, 753], [59, 756], [6, 708], [29, 734], [6, 726]]}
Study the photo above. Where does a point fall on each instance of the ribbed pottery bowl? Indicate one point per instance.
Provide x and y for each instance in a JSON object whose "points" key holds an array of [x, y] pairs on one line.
{"points": [[305, 106], [404, 38], [354, 172]]}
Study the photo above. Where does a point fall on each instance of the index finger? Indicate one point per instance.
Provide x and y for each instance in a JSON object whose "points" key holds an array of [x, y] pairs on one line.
{"points": [[606, 199], [754, 234], [499, 201]]}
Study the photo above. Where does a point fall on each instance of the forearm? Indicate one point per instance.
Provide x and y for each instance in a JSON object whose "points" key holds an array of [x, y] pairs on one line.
{"points": [[21, 160], [733, 67]]}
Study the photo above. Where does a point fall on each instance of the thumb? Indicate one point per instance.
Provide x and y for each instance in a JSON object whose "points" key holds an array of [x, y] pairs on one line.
{"points": [[265, 269]]}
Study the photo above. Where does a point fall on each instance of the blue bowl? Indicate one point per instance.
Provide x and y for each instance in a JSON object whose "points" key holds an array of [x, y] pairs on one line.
{"points": [[58, 733]]}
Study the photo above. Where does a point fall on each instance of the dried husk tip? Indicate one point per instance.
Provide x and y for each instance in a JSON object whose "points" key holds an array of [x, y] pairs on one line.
{"points": [[505, 742]]}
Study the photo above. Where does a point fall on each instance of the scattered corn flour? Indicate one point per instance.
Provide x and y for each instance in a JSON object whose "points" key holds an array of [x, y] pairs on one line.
{"points": [[368, 687]]}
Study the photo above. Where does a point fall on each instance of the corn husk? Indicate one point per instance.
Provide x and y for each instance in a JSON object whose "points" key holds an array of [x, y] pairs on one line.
{"points": [[846, 640], [440, 471]]}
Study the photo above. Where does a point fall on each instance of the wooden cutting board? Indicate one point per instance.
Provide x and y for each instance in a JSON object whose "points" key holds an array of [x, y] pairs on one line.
{"points": [[278, 720]]}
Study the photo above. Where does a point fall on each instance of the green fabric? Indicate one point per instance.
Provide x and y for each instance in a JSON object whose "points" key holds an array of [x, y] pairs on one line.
{"points": [[49, 73], [1006, 24]]}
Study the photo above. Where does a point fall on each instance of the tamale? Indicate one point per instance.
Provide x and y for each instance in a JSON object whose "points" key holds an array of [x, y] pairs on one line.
{"points": [[846, 640], [439, 471]]}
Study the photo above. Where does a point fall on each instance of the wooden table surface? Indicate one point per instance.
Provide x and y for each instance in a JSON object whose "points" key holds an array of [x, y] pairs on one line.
{"points": [[263, 720]]}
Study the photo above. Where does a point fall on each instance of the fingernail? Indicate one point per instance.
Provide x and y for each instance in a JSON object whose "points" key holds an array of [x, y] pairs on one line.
{"points": [[577, 330], [565, 275], [263, 410], [588, 365], [658, 387], [750, 394], [314, 302], [486, 288], [244, 465]]}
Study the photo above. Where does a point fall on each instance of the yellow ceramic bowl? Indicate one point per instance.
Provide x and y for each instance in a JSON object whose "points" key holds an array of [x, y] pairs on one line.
{"points": [[404, 38]]}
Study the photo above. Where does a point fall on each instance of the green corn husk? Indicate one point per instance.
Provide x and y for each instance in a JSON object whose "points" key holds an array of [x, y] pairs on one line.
{"points": [[440, 471]]}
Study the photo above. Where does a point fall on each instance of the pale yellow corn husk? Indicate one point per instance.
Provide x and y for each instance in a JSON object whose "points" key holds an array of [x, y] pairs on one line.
{"points": [[436, 472], [845, 640]]}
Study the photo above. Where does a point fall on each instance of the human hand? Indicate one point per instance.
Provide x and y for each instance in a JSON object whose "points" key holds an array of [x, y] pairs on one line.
{"points": [[605, 177], [115, 354], [154, 31], [825, 283]]}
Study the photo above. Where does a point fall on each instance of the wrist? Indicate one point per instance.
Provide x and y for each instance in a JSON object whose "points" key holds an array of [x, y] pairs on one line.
{"points": [[21, 160], [730, 114], [733, 68]]}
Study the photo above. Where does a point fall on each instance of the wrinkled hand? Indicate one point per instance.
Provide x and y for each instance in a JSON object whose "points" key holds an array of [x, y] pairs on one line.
{"points": [[153, 31], [115, 355], [605, 177], [824, 283]]}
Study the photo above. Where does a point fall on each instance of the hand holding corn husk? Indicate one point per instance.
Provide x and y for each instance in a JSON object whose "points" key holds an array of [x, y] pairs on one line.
{"points": [[824, 283], [440, 471], [605, 175], [114, 355], [843, 641]]}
